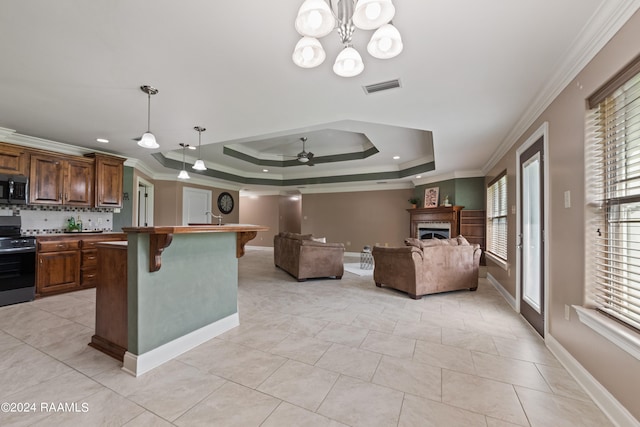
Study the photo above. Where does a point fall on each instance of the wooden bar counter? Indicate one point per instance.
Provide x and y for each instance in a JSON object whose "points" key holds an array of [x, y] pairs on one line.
{"points": [[167, 290]]}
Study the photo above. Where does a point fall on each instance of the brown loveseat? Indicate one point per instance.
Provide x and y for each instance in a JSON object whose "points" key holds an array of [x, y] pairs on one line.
{"points": [[305, 258], [428, 266]]}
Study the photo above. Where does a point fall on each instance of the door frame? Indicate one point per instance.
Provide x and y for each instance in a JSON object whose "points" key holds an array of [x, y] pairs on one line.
{"points": [[141, 182], [541, 132]]}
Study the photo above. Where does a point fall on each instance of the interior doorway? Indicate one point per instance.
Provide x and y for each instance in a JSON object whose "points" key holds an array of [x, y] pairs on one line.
{"points": [[196, 206], [144, 200], [531, 227]]}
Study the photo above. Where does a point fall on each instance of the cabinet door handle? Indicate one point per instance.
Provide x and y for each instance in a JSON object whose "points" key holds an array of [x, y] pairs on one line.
{"points": [[60, 245]]}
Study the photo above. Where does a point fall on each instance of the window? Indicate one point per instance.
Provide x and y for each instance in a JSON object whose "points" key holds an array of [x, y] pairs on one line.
{"points": [[497, 217], [613, 197]]}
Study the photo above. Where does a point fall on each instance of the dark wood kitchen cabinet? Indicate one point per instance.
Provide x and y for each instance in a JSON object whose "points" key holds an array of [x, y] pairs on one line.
{"points": [[14, 160], [61, 180], [68, 262], [109, 177], [58, 266]]}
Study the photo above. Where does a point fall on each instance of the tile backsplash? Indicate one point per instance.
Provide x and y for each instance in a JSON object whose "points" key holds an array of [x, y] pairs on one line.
{"points": [[53, 219]]}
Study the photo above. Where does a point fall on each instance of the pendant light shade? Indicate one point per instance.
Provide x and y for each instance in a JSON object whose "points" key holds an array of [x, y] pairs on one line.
{"points": [[371, 14], [183, 173], [148, 140], [315, 19], [308, 53], [199, 164], [385, 42], [348, 63]]}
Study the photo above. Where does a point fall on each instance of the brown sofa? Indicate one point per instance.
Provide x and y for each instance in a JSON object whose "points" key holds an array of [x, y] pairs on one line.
{"points": [[425, 267], [305, 258]]}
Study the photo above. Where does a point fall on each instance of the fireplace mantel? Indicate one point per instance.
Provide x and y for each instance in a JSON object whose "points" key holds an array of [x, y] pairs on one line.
{"points": [[450, 214]]}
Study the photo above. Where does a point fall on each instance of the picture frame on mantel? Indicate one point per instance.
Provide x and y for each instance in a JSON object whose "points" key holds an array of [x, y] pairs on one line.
{"points": [[431, 197]]}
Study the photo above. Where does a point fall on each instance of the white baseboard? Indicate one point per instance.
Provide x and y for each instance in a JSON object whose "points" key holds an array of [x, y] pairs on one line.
{"points": [[617, 413], [137, 365], [505, 294]]}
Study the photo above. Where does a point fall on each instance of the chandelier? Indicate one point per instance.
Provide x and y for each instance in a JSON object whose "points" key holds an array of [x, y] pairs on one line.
{"points": [[317, 18]]}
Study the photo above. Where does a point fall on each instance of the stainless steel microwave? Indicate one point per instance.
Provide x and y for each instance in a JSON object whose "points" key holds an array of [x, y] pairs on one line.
{"points": [[14, 189]]}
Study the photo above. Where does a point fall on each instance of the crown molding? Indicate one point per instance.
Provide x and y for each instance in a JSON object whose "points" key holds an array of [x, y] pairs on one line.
{"points": [[603, 25], [449, 176]]}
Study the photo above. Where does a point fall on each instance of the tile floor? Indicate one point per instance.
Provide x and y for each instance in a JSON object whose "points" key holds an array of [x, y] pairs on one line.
{"points": [[318, 353]]}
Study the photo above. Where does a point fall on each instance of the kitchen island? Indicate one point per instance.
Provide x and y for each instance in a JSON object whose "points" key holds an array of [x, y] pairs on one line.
{"points": [[182, 289]]}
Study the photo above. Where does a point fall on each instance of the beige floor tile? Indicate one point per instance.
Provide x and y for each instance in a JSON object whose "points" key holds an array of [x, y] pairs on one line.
{"points": [[343, 334], [410, 377], [358, 403], [375, 323], [259, 337], [444, 356], [441, 320], [105, 408], [300, 384], [544, 409], [419, 331], [494, 422], [231, 405], [401, 314], [148, 419], [301, 348], [562, 383], [511, 371], [23, 366], [391, 345], [484, 396], [419, 412], [90, 361], [69, 387], [366, 308], [524, 349], [350, 361], [168, 390], [234, 362], [303, 326], [7, 341], [33, 322], [290, 415], [469, 340], [330, 314]]}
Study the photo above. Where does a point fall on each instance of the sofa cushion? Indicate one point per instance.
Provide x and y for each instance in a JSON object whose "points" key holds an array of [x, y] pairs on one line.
{"points": [[319, 239]]}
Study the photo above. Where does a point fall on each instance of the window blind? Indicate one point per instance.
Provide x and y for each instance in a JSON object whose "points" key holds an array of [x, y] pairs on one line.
{"points": [[497, 217], [613, 129]]}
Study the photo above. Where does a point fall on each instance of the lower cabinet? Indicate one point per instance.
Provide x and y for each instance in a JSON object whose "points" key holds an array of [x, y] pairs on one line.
{"points": [[68, 262]]}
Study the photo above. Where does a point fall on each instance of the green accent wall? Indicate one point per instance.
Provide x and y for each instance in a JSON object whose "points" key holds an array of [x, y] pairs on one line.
{"points": [[197, 285], [467, 192]]}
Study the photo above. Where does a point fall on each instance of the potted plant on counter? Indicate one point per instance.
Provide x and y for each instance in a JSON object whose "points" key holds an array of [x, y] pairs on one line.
{"points": [[414, 202]]}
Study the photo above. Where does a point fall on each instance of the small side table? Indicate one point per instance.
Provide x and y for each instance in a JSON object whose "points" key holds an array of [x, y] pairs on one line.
{"points": [[366, 259]]}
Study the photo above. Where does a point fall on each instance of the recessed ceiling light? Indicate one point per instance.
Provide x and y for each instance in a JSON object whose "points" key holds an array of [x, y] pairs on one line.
{"points": [[104, 141], [419, 176], [396, 157], [265, 170], [191, 147]]}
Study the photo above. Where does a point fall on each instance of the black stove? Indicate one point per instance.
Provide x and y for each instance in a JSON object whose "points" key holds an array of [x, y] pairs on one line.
{"points": [[17, 262]]}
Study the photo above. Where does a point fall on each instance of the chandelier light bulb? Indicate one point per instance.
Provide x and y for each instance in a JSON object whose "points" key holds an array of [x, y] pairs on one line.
{"points": [[315, 19], [385, 43], [308, 53], [348, 63], [372, 11]]}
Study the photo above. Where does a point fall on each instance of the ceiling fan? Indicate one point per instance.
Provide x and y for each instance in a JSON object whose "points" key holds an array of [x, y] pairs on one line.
{"points": [[305, 156]]}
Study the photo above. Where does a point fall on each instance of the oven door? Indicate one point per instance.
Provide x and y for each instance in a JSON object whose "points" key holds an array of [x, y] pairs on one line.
{"points": [[17, 277]]}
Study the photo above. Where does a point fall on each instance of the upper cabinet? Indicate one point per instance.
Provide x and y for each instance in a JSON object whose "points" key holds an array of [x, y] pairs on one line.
{"points": [[109, 176], [14, 160], [61, 180], [94, 180]]}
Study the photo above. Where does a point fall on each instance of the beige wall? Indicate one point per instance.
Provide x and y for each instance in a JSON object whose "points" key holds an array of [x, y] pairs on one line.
{"points": [[290, 214], [359, 218], [613, 368], [262, 210], [168, 202]]}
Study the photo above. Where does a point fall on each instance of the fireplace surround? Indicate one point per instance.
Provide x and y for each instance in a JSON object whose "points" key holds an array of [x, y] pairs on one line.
{"points": [[434, 218]]}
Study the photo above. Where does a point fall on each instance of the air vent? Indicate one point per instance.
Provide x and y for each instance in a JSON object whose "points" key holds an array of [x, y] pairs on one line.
{"points": [[379, 87]]}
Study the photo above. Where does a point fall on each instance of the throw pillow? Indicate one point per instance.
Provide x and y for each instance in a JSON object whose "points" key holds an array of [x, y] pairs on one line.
{"points": [[462, 241], [428, 243], [410, 241], [319, 239]]}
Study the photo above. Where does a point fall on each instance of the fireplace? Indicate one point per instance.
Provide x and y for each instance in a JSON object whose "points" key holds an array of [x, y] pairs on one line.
{"points": [[443, 220], [434, 230]]}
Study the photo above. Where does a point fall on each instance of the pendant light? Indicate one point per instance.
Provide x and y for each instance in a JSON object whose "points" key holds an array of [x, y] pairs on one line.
{"points": [[148, 140], [183, 173], [199, 164]]}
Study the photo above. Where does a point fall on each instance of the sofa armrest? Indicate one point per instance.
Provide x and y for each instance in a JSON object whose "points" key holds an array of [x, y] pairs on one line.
{"points": [[321, 245]]}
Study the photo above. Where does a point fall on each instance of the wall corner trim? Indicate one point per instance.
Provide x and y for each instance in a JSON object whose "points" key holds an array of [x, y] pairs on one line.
{"points": [[617, 413]]}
